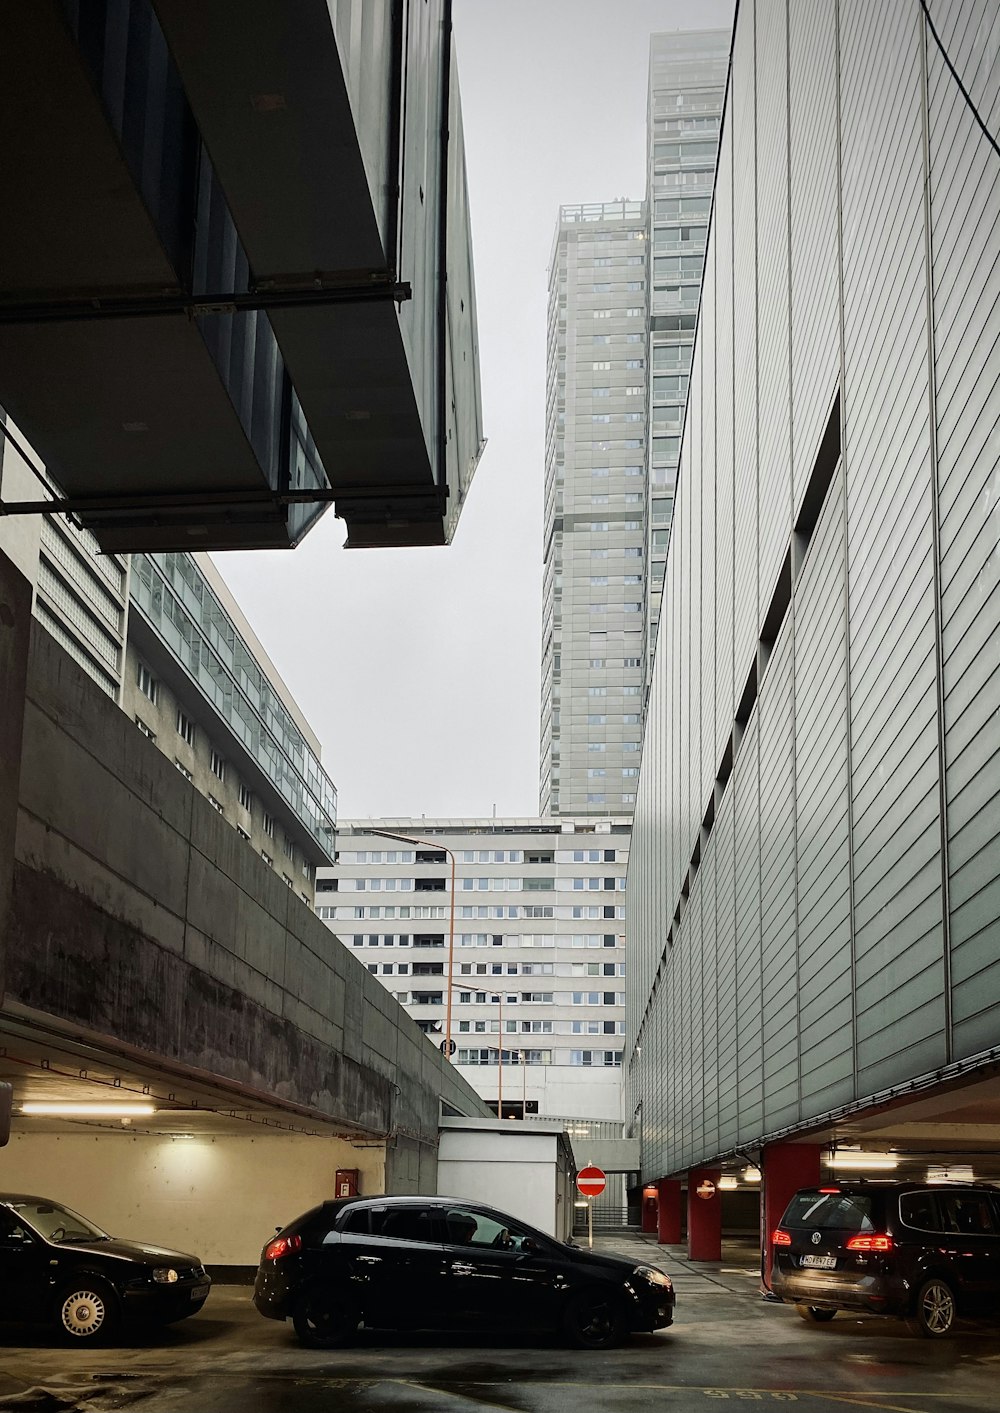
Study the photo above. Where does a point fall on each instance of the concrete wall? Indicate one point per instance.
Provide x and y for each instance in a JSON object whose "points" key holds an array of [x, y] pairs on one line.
{"points": [[15, 630], [219, 1197], [139, 914]]}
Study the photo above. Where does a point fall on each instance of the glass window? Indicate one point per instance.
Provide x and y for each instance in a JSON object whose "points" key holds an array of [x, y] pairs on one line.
{"points": [[967, 1212], [919, 1209], [467, 1228], [842, 1211], [406, 1223]]}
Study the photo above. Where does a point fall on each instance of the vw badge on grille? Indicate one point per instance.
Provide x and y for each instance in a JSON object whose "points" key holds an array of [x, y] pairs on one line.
{"points": [[817, 1237]]}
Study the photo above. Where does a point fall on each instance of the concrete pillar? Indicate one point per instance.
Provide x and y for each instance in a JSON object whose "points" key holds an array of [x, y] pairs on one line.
{"points": [[648, 1212], [668, 1212], [704, 1216], [784, 1168], [15, 632]]}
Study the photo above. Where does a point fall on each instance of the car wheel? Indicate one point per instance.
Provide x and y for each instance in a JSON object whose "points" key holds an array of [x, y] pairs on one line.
{"points": [[595, 1321], [86, 1312], [935, 1312], [324, 1319], [815, 1314]]}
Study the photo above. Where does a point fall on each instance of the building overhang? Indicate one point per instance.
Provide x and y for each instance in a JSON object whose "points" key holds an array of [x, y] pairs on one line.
{"points": [[220, 309]]}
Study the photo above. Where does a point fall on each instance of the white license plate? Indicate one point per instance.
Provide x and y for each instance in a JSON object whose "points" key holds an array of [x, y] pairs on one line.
{"points": [[819, 1263], [197, 1291]]}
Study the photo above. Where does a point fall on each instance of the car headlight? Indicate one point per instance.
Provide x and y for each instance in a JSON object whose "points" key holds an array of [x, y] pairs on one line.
{"points": [[653, 1276], [164, 1275]]}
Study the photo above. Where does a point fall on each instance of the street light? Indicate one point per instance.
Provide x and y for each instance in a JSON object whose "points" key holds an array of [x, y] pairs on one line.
{"points": [[442, 848]]}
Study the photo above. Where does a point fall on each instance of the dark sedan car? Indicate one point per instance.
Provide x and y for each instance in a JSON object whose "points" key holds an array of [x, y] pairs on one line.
{"points": [[440, 1264], [56, 1268], [926, 1254]]}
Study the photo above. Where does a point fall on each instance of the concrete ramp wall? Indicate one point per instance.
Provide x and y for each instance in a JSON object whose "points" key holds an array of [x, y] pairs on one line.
{"points": [[140, 915]]}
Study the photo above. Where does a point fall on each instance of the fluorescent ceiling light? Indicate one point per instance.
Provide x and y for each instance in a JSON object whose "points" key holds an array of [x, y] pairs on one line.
{"points": [[751, 1174], [89, 1111], [855, 1160], [727, 1182]]}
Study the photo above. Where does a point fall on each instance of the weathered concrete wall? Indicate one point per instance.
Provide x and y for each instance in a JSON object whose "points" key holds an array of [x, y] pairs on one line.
{"points": [[15, 629], [139, 914]]}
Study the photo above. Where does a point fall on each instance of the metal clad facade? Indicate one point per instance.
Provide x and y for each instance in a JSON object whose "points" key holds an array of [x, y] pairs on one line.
{"points": [[815, 869]]}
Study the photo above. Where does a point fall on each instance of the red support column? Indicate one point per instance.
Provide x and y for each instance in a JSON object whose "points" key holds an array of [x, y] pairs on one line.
{"points": [[785, 1167], [704, 1215], [668, 1212]]}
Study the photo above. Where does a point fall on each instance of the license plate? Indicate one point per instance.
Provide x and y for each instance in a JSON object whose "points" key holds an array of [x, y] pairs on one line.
{"points": [[197, 1291], [819, 1263]]}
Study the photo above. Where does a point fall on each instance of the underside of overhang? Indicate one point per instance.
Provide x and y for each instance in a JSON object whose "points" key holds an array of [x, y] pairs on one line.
{"points": [[204, 331]]}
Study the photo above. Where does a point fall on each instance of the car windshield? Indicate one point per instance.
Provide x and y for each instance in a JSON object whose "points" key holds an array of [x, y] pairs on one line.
{"points": [[845, 1211], [57, 1223]]}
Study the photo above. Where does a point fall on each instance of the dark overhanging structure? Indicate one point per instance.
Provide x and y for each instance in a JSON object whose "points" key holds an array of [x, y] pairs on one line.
{"points": [[236, 278]]}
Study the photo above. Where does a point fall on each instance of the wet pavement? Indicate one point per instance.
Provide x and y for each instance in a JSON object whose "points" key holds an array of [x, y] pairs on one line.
{"points": [[728, 1349]]}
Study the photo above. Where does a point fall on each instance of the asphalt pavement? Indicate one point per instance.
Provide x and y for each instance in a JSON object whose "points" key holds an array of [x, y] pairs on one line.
{"points": [[727, 1349]]}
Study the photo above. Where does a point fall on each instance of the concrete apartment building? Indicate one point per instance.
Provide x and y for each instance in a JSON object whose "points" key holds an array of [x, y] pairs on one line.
{"points": [[536, 973], [624, 281], [814, 951]]}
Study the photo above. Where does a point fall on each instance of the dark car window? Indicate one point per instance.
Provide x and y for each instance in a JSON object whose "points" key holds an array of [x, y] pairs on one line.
{"points": [[844, 1211], [465, 1227], [356, 1221], [967, 1212], [920, 1210], [11, 1230], [406, 1223]]}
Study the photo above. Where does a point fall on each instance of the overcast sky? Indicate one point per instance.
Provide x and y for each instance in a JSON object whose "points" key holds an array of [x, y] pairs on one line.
{"points": [[419, 669]]}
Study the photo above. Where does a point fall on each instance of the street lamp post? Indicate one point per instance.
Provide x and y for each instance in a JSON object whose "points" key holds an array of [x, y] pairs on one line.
{"points": [[443, 848]]}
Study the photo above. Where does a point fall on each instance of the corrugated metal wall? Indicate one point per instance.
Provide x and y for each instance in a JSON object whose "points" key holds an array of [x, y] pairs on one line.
{"points": [[814, 885]]}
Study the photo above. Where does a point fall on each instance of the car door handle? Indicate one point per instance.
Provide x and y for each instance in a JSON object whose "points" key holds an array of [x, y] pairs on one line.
{"points": [[368, 1260], [462, 1268]]}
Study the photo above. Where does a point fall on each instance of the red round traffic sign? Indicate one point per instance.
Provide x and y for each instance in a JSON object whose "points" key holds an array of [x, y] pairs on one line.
{"points": [[591, 1181]]}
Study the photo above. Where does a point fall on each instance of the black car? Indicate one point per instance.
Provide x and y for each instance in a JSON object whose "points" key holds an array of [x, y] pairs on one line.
{"points": [[926, 1254], [56, 1268], [441, 1264]]}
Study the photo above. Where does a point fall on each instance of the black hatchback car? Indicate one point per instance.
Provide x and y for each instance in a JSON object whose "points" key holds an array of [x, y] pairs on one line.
{"points": [[926, 1254], [56, 1268], [437, 1263]]}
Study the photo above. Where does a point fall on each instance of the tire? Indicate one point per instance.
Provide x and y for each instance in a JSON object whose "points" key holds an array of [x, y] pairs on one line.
{"points": [[815, 1314], [325, 1319], [594, 1320], [86, 1312], [934, 1311]]}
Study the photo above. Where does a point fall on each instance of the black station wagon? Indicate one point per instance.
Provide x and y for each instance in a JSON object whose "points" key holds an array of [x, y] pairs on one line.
{"points": [[926, 1254], [436, 1263], [57, 1268]]}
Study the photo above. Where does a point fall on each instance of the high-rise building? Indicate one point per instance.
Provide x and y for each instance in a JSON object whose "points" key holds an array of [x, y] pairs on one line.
{"points": [[687, 82], [537, 971], [813, 930], [624, 280], [595, 474]]}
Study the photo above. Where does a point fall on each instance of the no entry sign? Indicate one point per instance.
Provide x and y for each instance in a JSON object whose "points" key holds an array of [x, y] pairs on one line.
{"points": [[591, 1181]]}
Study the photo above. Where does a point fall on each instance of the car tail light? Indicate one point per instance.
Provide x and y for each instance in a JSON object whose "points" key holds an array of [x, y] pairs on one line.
{"points": [[826, 1191], [870, 1243], [282, 1246], [780, 1238]]}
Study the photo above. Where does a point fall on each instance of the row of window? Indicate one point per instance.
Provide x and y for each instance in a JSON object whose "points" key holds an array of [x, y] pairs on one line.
{"points": [[611, 1058], [574, 912], [575, 941], [150, 688], [517, 998]]}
